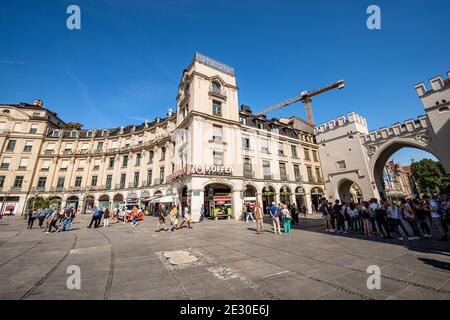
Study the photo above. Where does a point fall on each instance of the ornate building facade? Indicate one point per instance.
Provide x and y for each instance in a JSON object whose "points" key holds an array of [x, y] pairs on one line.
{"points": [[209, 152]]}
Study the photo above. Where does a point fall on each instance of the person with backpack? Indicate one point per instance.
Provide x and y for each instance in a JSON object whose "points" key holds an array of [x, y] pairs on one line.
{"points": [[32, 215], [339, 216], [286, 219], [442, 214]]}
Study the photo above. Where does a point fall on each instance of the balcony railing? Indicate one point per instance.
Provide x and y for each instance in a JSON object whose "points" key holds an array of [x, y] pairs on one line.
{"points": [[146, 183], [267, 177], [158, 181], [217, 91], [248, 174], [283, 177], [49, 152]]}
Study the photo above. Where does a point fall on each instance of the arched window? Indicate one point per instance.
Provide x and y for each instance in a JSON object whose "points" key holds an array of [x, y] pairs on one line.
{"points": [[215, 87]]}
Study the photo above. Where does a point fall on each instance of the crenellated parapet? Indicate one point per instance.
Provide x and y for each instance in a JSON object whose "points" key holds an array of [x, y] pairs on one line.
{"points": [[341, 121], [397, 129], [437, 83]]}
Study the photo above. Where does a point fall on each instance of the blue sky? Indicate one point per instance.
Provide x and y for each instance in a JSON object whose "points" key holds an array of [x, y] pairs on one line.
{"points": [[125, 63]]}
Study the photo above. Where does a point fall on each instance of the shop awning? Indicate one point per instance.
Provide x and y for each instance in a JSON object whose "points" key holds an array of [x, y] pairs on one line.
{"points": [[150, 198], [165, 199]]}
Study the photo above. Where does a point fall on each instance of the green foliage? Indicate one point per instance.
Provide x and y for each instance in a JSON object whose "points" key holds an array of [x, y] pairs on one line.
{"points": [[430, 176], [45, 202]]}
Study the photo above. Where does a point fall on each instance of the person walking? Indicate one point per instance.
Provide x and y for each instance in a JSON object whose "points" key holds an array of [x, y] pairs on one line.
{"points": [[287, 217], [202, 213], [353, 213], [173, 219], [410, 217], [275, 212], [186, 218], [52, 220], [95, 214], [134, 216], [248, 213], [67, 218], [32, 214], [161, 219], [41, 217], [395, 218], [259, 218], [106, 218]]}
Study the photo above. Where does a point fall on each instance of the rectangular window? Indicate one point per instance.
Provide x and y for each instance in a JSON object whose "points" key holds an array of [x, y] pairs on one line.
{"points": [[149, 177], [297, 173], [34, 128], [99, 146], [136, 179], [283, 173], [5, 163], [265, 145], [294, 151], [28, 146], [217, 134], [2, 181], [41, 182], [84, 146], [36, 114], [78, 182], [151, 155], [114, 144], [108, 181], [23, 164], [315, 157], [138, 159], [11, 145], [163, 153], [81, 165], [266, 170], [68, 147], [2, 126], [17, 127], [280, 149], [341, 165], [94, 181], [50, 147], [18, 182], [307, 154], [161, 175], [217, 108], [310, 174], [123, 179], [96, 164], [111, 163], [64, 165], [247, 164], [218, 158], [45, 165], [246, 142], [60, 183], [318, 175], [125, 161]]}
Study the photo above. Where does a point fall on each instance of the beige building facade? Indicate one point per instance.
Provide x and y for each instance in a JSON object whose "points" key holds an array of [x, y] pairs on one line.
{"points": [[209, 152]]}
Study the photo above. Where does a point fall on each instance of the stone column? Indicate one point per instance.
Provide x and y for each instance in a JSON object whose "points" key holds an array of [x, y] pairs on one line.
{"points": [[308, 203], [196, 204], [236, 203]]}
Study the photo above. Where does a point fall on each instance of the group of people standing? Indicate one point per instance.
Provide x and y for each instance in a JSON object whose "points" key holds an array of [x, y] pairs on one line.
{"points": [[54, 218], [386, 218]]}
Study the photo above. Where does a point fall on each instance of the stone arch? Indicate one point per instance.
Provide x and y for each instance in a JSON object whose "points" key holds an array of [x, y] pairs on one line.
{"points": [[385, 151], [227, 183], [349, 191], [285, 194]]}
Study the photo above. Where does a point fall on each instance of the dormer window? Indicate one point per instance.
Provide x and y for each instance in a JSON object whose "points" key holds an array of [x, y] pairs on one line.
{"points": [[105, 133], [90, 134], [260, 125], [56, 133], [243, 120]]}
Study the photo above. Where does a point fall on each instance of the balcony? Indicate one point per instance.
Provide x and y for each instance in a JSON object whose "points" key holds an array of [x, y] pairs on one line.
{"points": [[249, 174], [158, 181], [48, 152], [146, 183], [133, 184], [267, 177], [67, 152], [217, 92], [4, 166], [298, 178], [16, 188], [283, 177]]}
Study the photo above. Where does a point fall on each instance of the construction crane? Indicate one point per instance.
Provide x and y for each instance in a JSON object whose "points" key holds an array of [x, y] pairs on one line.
{"points": [[305, 97]]}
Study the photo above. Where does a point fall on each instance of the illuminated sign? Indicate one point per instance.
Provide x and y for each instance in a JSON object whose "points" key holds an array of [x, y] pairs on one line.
{"points": [[212, 169]]}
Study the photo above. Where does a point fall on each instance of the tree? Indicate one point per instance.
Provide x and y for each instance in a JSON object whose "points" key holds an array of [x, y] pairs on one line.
{"points": [[45, 202], [430, 176]]}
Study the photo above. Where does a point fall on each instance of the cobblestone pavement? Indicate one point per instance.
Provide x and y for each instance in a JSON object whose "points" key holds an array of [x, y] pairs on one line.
{"points": [[215, 260]]}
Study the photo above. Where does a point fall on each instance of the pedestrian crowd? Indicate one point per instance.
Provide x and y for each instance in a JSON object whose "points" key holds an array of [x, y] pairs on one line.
{"points": [[52, 218], [386, 218], [172, 216]]}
